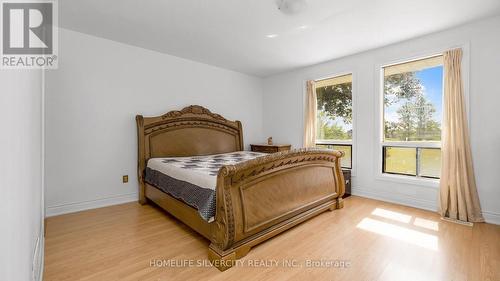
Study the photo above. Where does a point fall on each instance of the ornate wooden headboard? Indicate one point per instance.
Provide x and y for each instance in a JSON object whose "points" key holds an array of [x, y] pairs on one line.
{"points": [[194, 130]]}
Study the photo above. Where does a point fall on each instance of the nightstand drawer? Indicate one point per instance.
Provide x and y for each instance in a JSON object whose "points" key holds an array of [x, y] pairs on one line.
{"points": [[265, 148]]}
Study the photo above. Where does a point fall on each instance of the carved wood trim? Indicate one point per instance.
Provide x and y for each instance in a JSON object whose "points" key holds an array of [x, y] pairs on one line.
{"points": [[192, 109], [188, 123], [257, 166], [141, 158]]}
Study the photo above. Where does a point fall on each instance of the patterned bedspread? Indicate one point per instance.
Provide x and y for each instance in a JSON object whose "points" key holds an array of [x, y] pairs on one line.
{"points": [[193, 179]]}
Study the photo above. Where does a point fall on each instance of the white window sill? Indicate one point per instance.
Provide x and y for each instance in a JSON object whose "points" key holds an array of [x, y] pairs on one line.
{"points": [[334, 142], [428, 182]]}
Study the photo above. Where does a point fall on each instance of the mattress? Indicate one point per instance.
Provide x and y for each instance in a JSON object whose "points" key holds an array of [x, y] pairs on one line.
{"points": [[193, 179]]}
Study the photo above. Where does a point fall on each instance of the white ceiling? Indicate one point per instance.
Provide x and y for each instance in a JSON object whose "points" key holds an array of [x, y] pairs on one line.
{"points": [[232, 33]]}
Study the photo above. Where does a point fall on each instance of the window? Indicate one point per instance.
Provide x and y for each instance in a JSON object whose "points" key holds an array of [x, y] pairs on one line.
{"points": [[334, 117], [412, 112]]}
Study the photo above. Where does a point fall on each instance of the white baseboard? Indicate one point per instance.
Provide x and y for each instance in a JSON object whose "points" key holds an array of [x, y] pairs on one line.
{"points": [[38, 259], [396, 198], [489, 217], [92, 204]]}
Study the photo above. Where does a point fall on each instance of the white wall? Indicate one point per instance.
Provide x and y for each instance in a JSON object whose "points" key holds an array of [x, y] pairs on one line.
{"points": [[21, 174], [283, 110], [91, 103]]}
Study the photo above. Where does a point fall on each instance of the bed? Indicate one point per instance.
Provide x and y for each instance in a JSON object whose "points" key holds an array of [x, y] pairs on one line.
{"points": [[254, 197]]}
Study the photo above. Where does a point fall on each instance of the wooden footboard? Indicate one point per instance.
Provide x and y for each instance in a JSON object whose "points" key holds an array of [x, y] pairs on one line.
{"points": [[263, 197]]}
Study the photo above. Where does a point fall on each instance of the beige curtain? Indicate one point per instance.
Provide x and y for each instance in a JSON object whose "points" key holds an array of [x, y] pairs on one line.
{"points": [[310, 115], [458, 193]]}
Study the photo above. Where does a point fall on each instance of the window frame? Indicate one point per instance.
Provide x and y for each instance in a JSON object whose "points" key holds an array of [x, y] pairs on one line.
{"points": [[379, 123], [351, 142], [417, 161]]}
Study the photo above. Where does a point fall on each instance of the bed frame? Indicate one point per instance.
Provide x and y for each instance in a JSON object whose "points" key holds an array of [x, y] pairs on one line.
{"points": [[256, 199]]}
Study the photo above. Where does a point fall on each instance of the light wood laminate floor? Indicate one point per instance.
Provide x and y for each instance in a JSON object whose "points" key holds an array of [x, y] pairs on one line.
{"points": [[373, 240]]}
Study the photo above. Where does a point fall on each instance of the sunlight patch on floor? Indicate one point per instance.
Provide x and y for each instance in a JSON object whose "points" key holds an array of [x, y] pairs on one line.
{"points": [[391, 215], [432, 225], [400, 233]]}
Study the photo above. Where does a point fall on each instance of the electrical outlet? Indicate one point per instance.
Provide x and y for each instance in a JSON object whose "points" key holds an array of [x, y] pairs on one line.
{"points": [[125, 179]]}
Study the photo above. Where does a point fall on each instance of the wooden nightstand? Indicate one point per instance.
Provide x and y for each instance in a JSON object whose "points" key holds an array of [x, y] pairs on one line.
{"points": [[270, 148]]}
